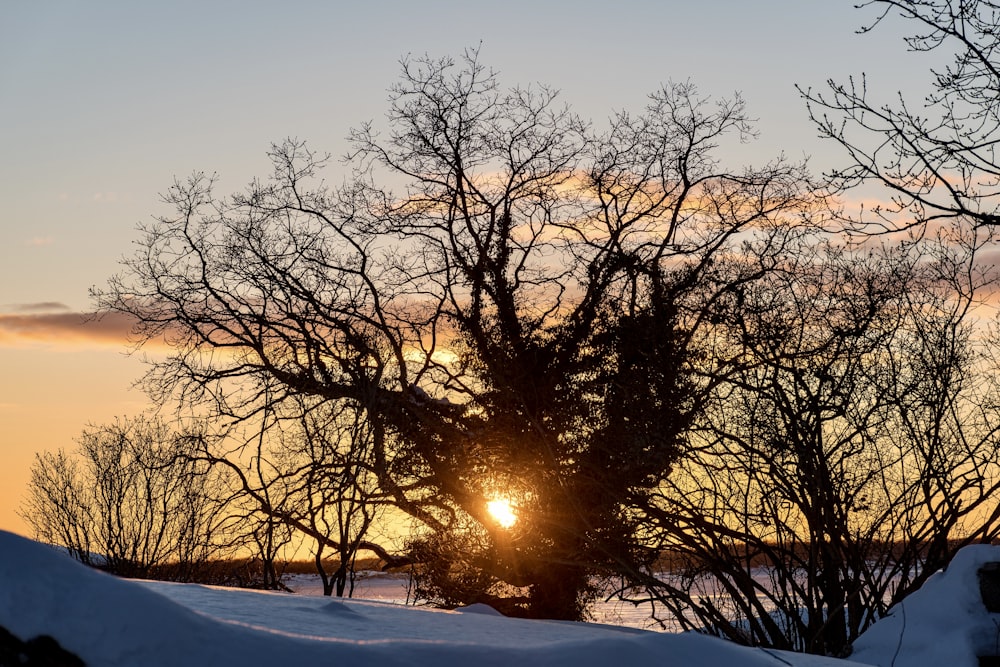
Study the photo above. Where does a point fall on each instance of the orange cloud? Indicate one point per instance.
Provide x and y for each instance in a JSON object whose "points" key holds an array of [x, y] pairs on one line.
{"points": [[30, 326]]}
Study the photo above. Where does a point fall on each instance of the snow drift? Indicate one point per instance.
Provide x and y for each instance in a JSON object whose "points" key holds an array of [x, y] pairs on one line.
{"points": [[108, 622], [943, 623]]}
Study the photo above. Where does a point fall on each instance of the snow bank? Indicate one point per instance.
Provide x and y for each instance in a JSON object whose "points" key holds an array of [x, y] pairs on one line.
{"points": [[942, 623], [109, 622]]}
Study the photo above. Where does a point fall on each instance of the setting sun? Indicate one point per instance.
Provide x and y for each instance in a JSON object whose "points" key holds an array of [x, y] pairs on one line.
{"points": [[502, 512]]}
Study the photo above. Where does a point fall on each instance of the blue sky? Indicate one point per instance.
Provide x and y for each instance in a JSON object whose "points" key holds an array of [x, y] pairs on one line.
{"points": [[104, 103]]}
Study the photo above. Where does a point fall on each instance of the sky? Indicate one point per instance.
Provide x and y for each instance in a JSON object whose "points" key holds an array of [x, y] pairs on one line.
{"points": [[104, 103]]}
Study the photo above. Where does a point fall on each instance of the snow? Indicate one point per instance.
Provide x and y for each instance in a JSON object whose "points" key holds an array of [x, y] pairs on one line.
{"points": [[943, 623], [109, 621]]}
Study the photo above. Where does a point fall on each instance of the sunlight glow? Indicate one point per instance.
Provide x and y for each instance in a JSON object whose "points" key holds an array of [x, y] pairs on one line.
{"points": [[502, 512], [440, 355]]}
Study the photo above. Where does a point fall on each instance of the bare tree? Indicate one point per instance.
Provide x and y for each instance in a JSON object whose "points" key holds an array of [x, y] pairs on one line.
{"points": [[128, 501], [302, 475], [849, 458], [936, 155], [518, 320], [57, 506], [338, 489]]}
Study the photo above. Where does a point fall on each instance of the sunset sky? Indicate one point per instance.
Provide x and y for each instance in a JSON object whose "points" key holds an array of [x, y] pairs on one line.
{"points": [[104, 103]]}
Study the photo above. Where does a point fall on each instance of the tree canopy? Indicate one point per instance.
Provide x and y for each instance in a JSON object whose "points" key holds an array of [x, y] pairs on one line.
{"points": [[648, 358], [522, 316]]}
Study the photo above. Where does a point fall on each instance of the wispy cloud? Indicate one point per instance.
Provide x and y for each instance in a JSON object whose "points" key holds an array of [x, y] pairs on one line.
{"points": [[31, 327], [39, 241], [39, 307]]}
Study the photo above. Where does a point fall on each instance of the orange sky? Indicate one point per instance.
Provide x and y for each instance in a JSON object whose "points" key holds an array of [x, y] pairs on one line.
{"points": [[58, 376]]}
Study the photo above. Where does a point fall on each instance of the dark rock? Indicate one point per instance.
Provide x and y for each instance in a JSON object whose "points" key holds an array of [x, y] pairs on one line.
{"points": [[40, 651], [989, 586]]}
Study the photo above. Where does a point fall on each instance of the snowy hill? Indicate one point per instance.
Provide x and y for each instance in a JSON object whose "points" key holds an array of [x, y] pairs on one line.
{"points": [[108, 621], [943, 623]]}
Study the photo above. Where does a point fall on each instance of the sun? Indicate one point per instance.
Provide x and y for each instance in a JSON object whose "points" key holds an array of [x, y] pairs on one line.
{"points": [[502, 512]]}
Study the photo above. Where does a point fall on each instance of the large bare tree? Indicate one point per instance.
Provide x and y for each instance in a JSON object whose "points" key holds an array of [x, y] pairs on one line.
{"points": [[519, 317]]}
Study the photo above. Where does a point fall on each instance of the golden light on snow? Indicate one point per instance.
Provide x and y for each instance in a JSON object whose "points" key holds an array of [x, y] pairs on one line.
{"points": [[502, 512]]}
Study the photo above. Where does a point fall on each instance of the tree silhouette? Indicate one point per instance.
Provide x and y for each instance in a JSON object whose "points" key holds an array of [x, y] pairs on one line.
{"points": [[936, 156], [522, 316]]}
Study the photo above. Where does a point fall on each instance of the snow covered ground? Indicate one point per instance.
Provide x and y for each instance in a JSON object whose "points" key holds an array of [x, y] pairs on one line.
{"points": [[109, 621], [394, 588]]}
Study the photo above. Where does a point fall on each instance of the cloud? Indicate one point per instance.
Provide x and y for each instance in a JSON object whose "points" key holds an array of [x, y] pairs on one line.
{"points": [[31, 327], [40, 307], [39, 241]]}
